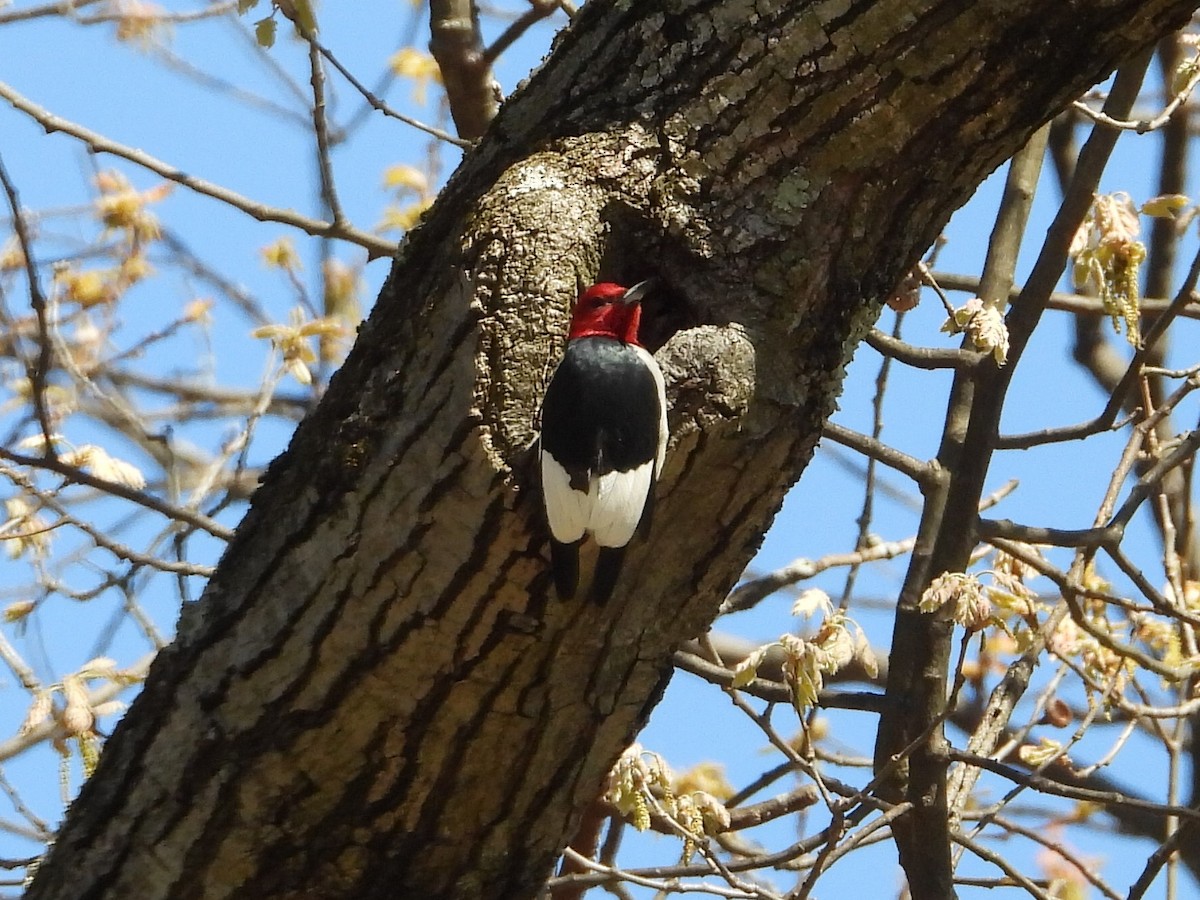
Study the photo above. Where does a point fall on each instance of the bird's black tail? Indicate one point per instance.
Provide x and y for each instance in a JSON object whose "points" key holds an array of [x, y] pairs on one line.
{"points": [[608, 568], [564, 560]]}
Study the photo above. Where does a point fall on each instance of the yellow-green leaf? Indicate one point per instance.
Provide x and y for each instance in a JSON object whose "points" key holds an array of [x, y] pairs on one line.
{"points": [[302, 14], [747, 670], [1183, 75], [1164, 206], [264, 32], [15, 612]]}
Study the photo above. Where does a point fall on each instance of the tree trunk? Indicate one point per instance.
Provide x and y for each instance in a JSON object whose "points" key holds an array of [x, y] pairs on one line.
{"points": [[379, 695]]}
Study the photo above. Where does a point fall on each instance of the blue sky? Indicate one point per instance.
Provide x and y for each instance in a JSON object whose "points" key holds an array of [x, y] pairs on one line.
{"points": [[83, 74]]}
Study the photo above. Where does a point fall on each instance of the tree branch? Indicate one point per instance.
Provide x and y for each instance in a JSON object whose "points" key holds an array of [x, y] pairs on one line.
{"points": [[39, 369], [378, 105], [98, 143], [149, 501], [457, 45], [918, 470], [1072, 303], [928, 358]]}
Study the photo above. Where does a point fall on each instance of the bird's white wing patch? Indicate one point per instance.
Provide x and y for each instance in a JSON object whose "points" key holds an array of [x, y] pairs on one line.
{"points": [[620, 498], [660, 382], [567, 510]]}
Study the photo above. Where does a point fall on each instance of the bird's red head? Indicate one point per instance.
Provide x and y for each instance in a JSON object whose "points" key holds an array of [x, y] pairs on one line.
{"points": [[608, 310]]}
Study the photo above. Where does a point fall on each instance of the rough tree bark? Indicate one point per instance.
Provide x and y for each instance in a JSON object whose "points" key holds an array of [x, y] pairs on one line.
{"points": [[378, 695]]}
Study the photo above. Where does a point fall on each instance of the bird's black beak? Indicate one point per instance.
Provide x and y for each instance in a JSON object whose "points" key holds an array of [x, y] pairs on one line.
{"points": [[638, 292]]}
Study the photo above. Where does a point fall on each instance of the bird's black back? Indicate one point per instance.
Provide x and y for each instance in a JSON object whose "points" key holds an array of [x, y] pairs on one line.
{"points": [[605, 404]]}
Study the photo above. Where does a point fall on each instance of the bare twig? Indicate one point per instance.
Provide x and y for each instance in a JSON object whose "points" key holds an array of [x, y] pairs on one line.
{"points": [[538, 10], [776, 692], [236, 402], [99, 538], [1064, 302], [924, 357], [1001, 863], [320, 121], [218, 85], [382, 107], [610, 873], [750, 593], [1180, 454], [61, 8], [98, 143], [753, 591], [1141, 126], [1107, 418], [212, 11], [40, 368], [78, 476], [1154, 863], [1047, 785], [916, 469], [931, 281]]}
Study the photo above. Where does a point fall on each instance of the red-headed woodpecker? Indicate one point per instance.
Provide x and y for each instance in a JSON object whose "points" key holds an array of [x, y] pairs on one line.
{"points": [[604, 436]]}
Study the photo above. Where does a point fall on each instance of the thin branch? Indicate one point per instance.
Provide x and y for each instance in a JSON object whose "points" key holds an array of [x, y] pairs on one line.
{"points": [[703, 844], [1069, 586], [117, 549], [773, 691], [18, 666], [611, 873], [834, 851], [98, 143], [1141, 126], [924, 357], [870, 477], [218, 85], [1061, 851], [1105, 421], [752, 592], [538, 10], [321, 130], [382, 107], [1001, 703], [990, 529], [214, 10], [1001, 863], [45, 832], [1064, 302], [1046, 785], [78, 476], [931, 281], [1004, 243], [1189, 372], [187, 260], [1146, 485], [62, 8], [743, 817], [1149, 591], [40, 369], [918, 470], [1154, 863], [287, 406]]}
